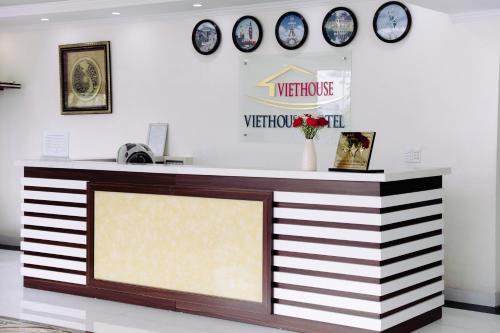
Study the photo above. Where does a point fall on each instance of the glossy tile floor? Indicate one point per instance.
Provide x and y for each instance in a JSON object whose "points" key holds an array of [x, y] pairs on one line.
{"points": [[109, 317]]}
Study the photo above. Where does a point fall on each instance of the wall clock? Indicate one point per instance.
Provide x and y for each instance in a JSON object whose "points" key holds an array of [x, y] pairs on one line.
{"points": [[206, 37], [392, 22], [340, 26], [291, 30], [247, 34]]}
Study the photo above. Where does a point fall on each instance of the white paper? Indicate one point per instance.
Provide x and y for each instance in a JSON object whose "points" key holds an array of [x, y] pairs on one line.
{"points": [[157, 140], [55, 145]]}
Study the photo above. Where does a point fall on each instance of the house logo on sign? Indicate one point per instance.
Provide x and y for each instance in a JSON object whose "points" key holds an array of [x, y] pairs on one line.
{"points": [[295, 88]]}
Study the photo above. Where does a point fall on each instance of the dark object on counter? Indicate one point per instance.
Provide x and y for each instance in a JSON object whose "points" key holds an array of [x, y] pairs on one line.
{"points": [[355, 171], [135, 153]]}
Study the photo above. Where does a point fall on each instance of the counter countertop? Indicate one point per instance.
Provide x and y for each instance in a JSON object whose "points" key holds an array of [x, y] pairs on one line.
{"points": [[387, 176]]}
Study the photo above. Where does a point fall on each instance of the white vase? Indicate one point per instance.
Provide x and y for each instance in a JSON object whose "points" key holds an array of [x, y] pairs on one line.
{"points": [[309, 156]]}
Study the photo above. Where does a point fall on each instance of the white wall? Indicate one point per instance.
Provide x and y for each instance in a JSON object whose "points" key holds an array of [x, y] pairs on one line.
{"points": [[437, 90]]}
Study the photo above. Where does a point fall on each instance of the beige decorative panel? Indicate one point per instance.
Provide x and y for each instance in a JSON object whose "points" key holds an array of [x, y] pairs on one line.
{"points": [[199, 245]]}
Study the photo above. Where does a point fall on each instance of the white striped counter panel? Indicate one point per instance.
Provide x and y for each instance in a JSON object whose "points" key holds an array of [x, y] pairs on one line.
{"points": [[347, 256]]}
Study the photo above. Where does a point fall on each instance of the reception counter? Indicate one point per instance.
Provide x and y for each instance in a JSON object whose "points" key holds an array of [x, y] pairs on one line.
{"points": [[311, 252]]}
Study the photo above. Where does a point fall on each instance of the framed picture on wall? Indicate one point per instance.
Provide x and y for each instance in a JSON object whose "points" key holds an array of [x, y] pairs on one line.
{"points": [[340, 26], [392, 22], [85, 71], [291, 30], [247, 34], [206, 37]]}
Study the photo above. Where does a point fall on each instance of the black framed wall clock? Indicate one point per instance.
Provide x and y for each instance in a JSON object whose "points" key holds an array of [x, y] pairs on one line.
{"points": [[340, 26], [206, 37], [291, 30], [247, 34], [392, 22]]}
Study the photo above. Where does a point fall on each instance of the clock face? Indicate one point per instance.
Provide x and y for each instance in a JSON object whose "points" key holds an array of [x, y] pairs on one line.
{"points": [[291, 30], [206, 37], [340, 26], [247, 34], [392, 22]]}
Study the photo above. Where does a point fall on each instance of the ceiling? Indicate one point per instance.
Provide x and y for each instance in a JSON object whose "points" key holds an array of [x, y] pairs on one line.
{"points": [[22, 12], [22, 2], [458, 6], [28, 12]]}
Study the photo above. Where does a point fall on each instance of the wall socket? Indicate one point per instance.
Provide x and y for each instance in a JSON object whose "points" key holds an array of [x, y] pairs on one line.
{"points": [[413, 156]]}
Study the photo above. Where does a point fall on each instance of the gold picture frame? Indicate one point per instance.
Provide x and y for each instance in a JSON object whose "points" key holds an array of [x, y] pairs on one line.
{"points": [[85, 75], [354, 151]]}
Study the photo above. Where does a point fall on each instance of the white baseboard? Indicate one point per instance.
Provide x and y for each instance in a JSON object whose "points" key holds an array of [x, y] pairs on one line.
{"points": [[472, 297]]}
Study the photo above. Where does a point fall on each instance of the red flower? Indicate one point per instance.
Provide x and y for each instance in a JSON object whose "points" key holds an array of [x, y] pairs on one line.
{"points": [[363, 140], [297, 122], [312, 122], [322, 122]]}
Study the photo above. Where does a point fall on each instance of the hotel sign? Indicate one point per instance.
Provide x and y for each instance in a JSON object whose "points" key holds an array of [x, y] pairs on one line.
{"points": [[275, 89]]}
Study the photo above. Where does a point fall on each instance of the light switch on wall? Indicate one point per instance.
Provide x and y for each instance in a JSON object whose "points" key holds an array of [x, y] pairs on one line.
{"points": [[413, 156]]}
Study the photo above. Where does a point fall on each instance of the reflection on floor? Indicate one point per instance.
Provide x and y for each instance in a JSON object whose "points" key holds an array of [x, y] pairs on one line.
{"points": [[11, 325], [99, 316]]}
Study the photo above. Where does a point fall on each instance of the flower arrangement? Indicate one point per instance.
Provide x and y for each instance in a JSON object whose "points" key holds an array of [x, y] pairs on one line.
{"points": [[310, 124]]}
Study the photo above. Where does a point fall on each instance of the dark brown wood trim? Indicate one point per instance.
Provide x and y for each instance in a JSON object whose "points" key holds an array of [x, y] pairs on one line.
{"points": [[355, 277], [53, 256], [54, 190], [411, 255], [355, 295], [411, 185], [411, 206], [210, 301], [408, 223], [333, 225], [357, 261], [417, 322], [328, 241], [79, 290], [56, 217], [54, 269], [41, 241], [328, 208], [327, 308], [414, 287], [364, 227], [366, 245], [411, 272], [58, 230], [269, 184], [100, 176], [359, 209], [328, 275], [327, 292], [411, 239], [277, 321], [55, 203], [355, 312], [327, 258], [407, 306]]}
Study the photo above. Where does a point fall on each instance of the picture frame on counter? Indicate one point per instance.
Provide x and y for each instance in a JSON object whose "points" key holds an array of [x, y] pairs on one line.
{"points": [[247, 34], [206, 37], [340, 26], [157, 138], [354, 152], [85, 78], [291, 30], [55, 146], [392, 22]]}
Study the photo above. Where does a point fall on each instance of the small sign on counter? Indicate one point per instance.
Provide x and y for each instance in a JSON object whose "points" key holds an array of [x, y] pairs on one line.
{"points": [[55, 145]]}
